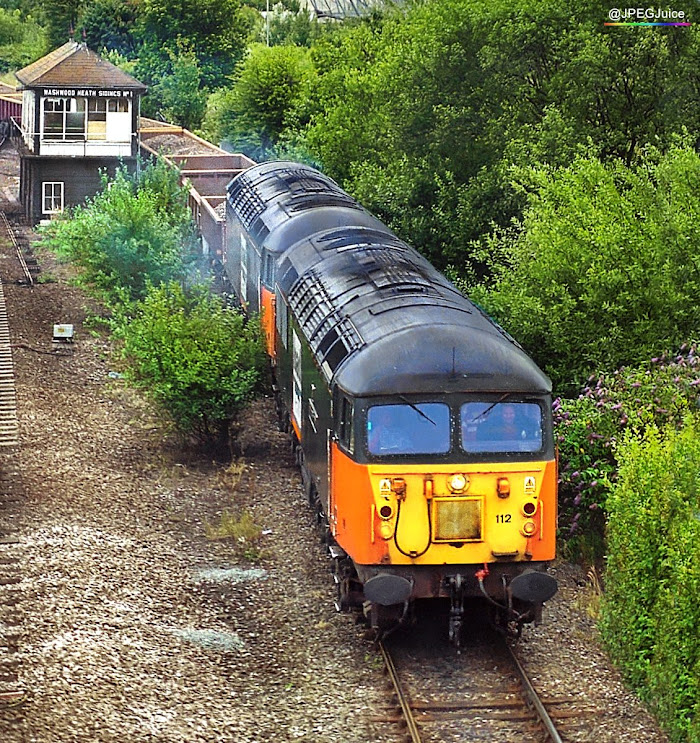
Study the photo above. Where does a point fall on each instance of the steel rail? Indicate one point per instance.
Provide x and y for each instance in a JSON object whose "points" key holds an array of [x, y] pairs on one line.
{"points": [[400, 695], [534, 700], [23, 263]]}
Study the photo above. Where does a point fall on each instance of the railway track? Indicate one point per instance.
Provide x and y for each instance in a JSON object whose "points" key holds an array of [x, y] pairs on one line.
{"points": [[481, 694], [28, 265], [12, 692]]}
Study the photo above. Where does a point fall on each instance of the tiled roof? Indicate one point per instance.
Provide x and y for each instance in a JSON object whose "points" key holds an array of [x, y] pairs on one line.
{"points": [[73, 64]]}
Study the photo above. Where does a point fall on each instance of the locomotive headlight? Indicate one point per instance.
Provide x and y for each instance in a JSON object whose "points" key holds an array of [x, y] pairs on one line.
{"points": [[458, 483]]}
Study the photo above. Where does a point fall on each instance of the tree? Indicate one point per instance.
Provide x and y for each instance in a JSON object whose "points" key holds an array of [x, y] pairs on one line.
{"points": [[285, 26], [422, 115], [197, 358], [252, 114], [606, 269], [178, 96], [111, 25], [60, 18], [214, 30], [129, 236], [22, 40]]}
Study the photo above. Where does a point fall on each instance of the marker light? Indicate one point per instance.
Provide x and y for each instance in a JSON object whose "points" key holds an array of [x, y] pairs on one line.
{"points": [[386, 512], [503, 487], [529, 508], [529, 528], [458, 483]]}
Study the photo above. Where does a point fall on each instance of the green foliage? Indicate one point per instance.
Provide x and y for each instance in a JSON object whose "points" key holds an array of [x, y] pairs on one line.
{"points": [[606, 269], [199, 360], [178, 96], [215, 31], [253, 112], [60, 18], [129, 235], [22, 40], [651, 616], [110, 25], [422, 114], [298, 28], [658, 394]]}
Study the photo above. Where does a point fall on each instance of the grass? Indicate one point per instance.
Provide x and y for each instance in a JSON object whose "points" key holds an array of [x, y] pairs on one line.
{"points": [[242, 530], [590, 598]]}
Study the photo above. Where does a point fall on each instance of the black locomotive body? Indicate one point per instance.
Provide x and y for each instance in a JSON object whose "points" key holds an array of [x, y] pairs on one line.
{"points": [[423, 430]]}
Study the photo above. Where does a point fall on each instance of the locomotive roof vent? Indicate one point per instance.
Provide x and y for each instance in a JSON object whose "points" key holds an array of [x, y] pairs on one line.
{"points": [[246, 203], [349, 238], [331, 336], [303, 201]]}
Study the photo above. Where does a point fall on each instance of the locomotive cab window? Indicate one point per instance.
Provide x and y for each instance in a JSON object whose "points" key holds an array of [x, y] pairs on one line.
{"points": [[346, 431], [268, 270], [420, 428], [503, 427]]}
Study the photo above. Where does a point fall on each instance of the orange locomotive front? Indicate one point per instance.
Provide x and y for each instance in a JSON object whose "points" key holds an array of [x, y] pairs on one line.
{"points": [[476, 519]]}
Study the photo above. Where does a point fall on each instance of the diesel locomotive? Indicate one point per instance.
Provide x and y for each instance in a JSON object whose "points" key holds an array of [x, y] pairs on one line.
{"points": [[423, 430]]}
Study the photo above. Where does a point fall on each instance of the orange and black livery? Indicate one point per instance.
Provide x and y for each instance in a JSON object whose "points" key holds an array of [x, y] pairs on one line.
{"points": [[424, 431]]}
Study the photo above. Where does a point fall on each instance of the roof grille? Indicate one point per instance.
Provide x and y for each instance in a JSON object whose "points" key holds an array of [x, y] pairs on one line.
{"points": [[387, 269], [347, 238], [305, 201], [245, 202], [331, 336]]}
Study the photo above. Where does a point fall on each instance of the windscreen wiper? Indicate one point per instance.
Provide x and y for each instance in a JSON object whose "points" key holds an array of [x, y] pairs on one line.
{"points": [[484, 413], [417, 409]]}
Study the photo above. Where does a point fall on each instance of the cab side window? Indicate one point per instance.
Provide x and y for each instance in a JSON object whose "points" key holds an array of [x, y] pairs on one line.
{"points": [[346, 430], [268, 270]]}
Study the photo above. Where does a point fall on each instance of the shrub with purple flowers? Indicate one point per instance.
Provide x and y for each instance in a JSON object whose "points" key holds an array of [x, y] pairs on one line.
{"points": [[589, 427]]}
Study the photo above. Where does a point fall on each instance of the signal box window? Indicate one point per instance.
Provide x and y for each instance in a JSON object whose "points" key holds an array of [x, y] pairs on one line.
{"points": [[502, 427], [64, 118], [118, 105], [52, 197], [423, 428], [97, 118]]}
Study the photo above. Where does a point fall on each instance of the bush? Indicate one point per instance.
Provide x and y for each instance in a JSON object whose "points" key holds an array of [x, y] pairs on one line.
{"points": [[197, 358], [650, 612], [134, 233], [606, 270], [589, 429]]}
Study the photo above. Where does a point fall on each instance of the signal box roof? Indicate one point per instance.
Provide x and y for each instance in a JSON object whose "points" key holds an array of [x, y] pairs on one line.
{"points": [[74, 65]]}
